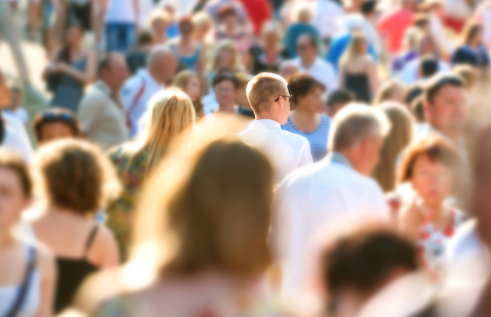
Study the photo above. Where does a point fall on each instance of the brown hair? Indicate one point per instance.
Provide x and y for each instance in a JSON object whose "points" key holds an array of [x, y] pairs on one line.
{"points": [[399, 136], [181, 80], [56, 115], [301, 85], [15, 163], [76, 175], [470, 31], [387, 91], [437, 150], [263, 89]]}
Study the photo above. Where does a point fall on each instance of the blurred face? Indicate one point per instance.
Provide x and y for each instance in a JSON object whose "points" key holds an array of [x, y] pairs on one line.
{"points": [[427, 48], [55, 130], [432, 181], [116, 74], [166, 67], [271, 39], [371, 153], [312, 102], [226, 58], [159, 26], [225, 93], [334, 108], [74, 35], [193, 89], [477, 38], [448, 113], [186, 29], [12, 198], [304, 48], [288, 70], [15, 99], [230, 20]]}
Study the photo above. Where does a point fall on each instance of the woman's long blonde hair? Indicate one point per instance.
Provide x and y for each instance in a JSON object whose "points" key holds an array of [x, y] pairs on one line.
{"points": [[181, 81], [356, 48], [226, 44]]}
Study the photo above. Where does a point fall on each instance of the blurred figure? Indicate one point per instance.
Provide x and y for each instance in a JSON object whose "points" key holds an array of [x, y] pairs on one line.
{"points": [[307, 118], [270, 100], [204, 26], [15, 107], [226, 58], [268, 54], [468, 74], [70, 70], [120, 24], [428, 67], [358, 73], [334, 189], [230, 27], [188, 51], [139, 89], [241, 96], [75, 180], [309, 62], [327, 28], [101, 111], [190, 83], [432, 168], [179, 210], [386, 256], [14, 137], [137, 57], [390, 90], [28, 273], [337, 100], [399, 136], [472, 50], [54, 124], [171, 111], [393, 24], [287, 68], [225, 86], [159, 22], [300, 27]]}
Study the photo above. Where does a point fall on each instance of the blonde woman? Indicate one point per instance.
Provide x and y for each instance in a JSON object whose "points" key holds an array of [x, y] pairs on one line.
{"points": [[391, 90], [358, 72], [226, 58], [171, 111], [190, 83]]}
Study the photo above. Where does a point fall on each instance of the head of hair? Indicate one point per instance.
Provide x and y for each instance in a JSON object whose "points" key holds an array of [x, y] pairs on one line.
{"points": [[388, 90], [363, 259], [303, 13], [16, 164], [181, 81], [438, 82], [356, 48], [159, 16], [467, 73], [436, 150], [225, 11], [263, 89], [399, 136], [75, 175], [60, 115], [428, 66], [157, 53], [271, 27], [368, 7], [105, 62], [417, 107], [185, 22], [145, 37], [340, 95], [226, 44], [420, 20], [301, 85], [311, 39], [411, 38], [202, 18], [470, 31], [413, 92], [225, 76], [354, 123], [243, 80]]}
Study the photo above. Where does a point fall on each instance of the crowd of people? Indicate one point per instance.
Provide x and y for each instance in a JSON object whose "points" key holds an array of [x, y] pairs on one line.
{"points": [[212, 158]]}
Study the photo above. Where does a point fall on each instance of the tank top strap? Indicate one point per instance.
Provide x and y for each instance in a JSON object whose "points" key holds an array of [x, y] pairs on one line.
{"points": [[91, 238]]}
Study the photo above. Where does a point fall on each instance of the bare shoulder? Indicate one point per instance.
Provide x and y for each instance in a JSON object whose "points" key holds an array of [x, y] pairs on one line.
{"points": [[45, 261], [104, 249], [410, 219]]}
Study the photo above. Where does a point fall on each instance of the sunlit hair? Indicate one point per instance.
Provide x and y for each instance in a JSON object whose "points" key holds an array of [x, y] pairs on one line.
{"points": [[170, 112], [470, 31], [388, 91], [263, 89], [272, 27], [357, 48], [16, 164], [159, 16], [303, 12], [226, 44], [181, 80], [207, 209], [468, 75], [399, 136], [75, 175]]}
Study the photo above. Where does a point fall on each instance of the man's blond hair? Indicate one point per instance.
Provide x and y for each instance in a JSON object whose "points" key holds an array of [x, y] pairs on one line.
{"points": [[263, 89]]}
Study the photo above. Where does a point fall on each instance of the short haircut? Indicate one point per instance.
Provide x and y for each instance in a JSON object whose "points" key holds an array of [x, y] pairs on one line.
{"points": [[340, 95], [354, 123], [105, 62], [428, 66], [302, 84], [145, 37], [224, 76], [440, 81], [263, 89], [15, 163], [56, 115], [363, 259], [417, 107], [75, 175]]}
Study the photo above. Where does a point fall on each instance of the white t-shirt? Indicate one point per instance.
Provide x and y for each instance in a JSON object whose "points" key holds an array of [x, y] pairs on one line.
{"points": [[16, 139], [121, 11], [20, 114], [322, 71]]}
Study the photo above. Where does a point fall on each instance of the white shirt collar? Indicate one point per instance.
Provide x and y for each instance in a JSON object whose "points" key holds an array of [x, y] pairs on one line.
{"points": [[265, 124], [143, 73]]}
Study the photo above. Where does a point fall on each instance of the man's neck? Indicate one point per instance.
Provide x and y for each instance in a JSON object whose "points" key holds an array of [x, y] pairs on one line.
{"points": [[308, 62], [227, 108], [155, 77], [268, 116]]}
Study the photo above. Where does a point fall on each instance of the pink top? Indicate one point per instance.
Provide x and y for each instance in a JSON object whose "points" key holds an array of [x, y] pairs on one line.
{"points": [[393, 25]]}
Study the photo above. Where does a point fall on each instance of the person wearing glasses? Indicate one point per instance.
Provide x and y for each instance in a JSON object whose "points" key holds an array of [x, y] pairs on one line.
{"points": [[54, 124], [270, 100]]}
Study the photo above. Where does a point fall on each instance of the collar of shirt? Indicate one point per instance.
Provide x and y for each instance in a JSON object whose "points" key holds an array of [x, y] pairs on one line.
{"points": [[101, 85], [265, 124], [335, 157], [145, 75]]}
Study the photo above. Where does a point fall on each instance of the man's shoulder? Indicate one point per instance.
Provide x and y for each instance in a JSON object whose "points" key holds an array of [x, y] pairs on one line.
{"points": [[293, 138]]}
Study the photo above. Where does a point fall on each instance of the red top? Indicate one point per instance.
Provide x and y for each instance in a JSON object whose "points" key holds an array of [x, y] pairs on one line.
{"points": [[258, 11], [393, 25]]}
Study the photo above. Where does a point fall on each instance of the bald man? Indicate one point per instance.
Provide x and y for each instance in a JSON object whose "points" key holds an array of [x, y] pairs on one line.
{"points": [[139, 89]]}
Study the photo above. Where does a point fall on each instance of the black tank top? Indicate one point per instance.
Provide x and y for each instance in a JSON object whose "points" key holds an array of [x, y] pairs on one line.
{"points": [[71, 274]]}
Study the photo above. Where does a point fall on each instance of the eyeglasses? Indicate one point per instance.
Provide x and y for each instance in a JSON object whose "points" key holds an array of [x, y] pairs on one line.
{"points": [[51, 116], [284, 96]]}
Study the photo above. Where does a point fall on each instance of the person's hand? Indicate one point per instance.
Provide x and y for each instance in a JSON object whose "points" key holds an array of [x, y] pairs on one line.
{"points": [[62, 67]]}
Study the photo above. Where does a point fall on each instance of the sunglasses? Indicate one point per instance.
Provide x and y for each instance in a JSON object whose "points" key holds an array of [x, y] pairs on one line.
{"points": [[284, 96], [51, 116]]}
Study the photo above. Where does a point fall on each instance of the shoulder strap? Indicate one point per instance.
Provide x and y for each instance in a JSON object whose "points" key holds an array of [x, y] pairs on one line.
{"points": [[92, 234], [139, 94], [23, 289]]}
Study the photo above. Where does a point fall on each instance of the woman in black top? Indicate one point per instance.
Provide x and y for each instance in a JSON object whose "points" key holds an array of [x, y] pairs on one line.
{"points": [[472, 51], [76, 179], [267, 55]]}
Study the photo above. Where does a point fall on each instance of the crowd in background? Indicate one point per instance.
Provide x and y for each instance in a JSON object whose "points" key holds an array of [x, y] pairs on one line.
{"points": [[212, 158]]}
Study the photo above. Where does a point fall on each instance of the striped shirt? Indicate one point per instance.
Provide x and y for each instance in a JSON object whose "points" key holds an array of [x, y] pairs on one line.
{"points": [[317, 138]]}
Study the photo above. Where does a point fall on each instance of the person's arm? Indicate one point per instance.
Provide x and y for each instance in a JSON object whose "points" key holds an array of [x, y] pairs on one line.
{"points": [[104, 251], [47, 270], [372, 76], [410, 219], [88, 75], [99, 9]]}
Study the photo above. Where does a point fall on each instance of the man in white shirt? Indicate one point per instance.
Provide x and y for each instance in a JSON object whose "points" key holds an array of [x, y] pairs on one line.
{"points": [[139, 89], [269, 99], [15, 138], [337, 188], [309, 62]]}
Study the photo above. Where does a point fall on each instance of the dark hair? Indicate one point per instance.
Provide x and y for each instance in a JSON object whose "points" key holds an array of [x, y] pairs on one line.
{"points": [[15, 163], [105, 62], [2, 129], [417, 109], [470, 31], [363, 259], [145, 36], [368, 7], [428, 66], [340, 96], [223, 76], [301, 85], [56, 115], [226, 10], [420, 20], [413, 92], [439, 82], [312, 39]]}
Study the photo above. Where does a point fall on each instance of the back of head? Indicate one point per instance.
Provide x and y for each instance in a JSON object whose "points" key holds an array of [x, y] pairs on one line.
{"points": [[263, 89], [428, 66], [303, 13], [354, 123], [302, 84], [388, 91], [340, 96], [158, 54]]}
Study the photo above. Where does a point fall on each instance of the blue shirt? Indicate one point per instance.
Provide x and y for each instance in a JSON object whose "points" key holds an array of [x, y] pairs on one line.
{"points": [[317, 138], [338, 47]]}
